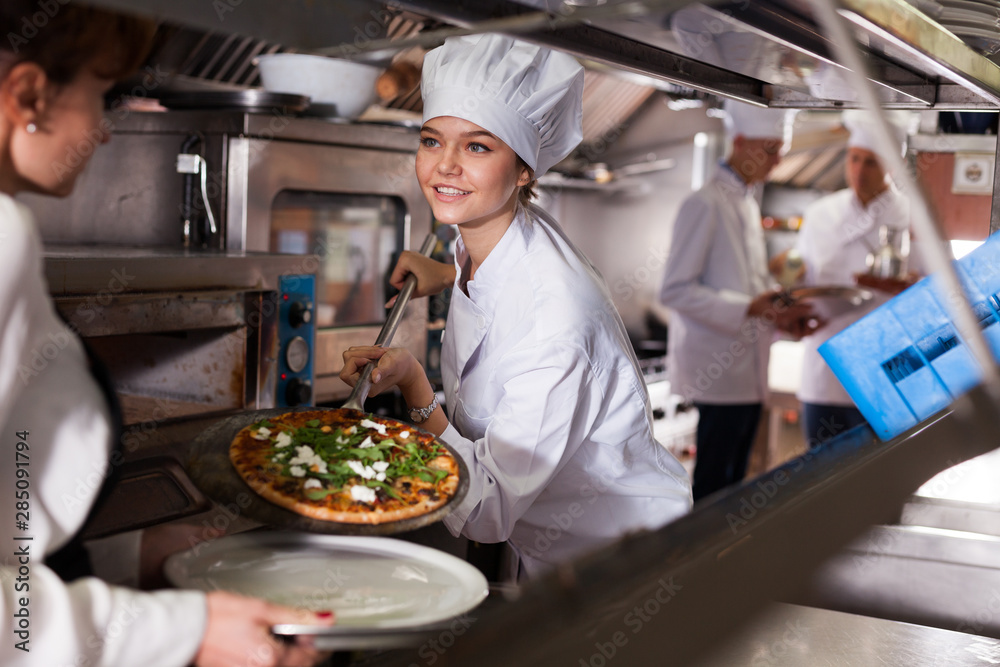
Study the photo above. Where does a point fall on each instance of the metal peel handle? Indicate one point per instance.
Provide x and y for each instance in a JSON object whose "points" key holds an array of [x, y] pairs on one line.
{"points": [[356, 401]]}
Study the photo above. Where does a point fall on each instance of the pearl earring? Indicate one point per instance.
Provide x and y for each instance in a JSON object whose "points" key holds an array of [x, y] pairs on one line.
{"points": [[31, 128]]}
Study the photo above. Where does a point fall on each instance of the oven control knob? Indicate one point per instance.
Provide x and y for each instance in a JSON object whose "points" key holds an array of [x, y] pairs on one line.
{"points": [[297, 354], [298, 392], [300, 313]]}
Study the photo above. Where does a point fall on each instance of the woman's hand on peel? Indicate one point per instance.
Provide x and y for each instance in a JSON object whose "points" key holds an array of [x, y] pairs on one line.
{"points": [[433, 277], [395, 367]]}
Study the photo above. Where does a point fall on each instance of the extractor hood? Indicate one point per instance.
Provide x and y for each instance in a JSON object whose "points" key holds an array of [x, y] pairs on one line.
{"points": [[765, 52]]}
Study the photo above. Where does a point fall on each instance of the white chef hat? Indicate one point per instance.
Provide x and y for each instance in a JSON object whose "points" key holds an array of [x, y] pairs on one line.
{"points": [[531, 98], [864, 131], [755, 122]]}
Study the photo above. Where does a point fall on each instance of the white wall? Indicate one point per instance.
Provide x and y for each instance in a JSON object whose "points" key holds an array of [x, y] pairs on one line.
{"points": [[627, 235]]}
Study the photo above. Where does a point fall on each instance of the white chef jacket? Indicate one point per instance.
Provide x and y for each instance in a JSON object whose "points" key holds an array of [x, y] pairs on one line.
{"points": [[47, 391], [548, 407], [716, 265], [836, 236]]}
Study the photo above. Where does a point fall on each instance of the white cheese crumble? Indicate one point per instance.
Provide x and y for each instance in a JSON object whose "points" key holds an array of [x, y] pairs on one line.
{"points": [[282, 440], [375, 426], [312, 483], [366, 443], [262, 434], [380, 477], [363, 494], [404, 435], [305, 456], [361, 469], [297, 471], [380, 466]]}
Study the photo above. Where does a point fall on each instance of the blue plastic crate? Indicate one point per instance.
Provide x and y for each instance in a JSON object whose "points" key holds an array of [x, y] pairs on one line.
{"points": [[905, 361]]}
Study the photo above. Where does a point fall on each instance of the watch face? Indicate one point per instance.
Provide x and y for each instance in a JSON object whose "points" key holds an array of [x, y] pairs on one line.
{"points": [[416, 416]]}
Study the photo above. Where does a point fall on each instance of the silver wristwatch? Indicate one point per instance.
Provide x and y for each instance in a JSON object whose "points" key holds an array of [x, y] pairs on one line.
{"points": [[418, 415]]}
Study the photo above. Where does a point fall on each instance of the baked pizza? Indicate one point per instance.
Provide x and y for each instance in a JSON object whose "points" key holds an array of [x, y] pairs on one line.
{"points": [[331, 466]]}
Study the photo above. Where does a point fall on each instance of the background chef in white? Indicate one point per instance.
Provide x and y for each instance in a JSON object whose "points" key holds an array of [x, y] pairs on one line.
{"points": [[838, 232], [723, 304], [546, 403], [52, 89]]}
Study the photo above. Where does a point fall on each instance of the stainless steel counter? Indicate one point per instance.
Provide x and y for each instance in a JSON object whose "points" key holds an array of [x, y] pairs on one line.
{"points": [[792, 636]]}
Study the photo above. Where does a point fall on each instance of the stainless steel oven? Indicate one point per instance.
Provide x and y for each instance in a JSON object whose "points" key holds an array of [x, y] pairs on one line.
{"points": [[186, 333], [341, 196]]}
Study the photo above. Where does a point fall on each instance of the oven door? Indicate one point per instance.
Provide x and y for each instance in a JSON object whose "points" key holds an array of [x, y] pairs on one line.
{"points": [[355, 209]]}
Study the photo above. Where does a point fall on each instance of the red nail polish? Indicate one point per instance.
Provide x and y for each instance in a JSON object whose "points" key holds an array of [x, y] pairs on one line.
{"points": [[324, 614]]}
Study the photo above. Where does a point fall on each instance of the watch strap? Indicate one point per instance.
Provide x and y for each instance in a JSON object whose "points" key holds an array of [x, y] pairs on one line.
{"points": [[422, 414]]}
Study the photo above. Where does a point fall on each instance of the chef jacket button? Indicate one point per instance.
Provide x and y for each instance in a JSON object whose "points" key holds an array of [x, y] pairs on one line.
{"points": [[480, 321]]}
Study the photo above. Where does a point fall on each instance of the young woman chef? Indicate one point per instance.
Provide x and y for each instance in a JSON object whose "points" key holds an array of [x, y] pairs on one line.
{"points": [[545, 400], [56, 423]]}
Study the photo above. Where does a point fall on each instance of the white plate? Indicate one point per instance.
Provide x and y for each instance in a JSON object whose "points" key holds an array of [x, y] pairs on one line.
{"points": [[368, 582]]}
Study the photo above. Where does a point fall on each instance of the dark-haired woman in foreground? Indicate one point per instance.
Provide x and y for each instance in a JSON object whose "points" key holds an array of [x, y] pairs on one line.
{"points": [[57, 425]]}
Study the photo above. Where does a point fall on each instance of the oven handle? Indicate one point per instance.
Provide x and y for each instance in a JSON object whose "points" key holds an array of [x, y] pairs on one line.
{"points": [[357, 398]]}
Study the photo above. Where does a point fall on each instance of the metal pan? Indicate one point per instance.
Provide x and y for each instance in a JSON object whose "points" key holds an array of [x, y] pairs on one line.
{"points": [[212, 471]]}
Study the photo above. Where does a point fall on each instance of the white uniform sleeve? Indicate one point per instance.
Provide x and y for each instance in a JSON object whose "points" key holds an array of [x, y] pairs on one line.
{"points": [[17, 265], [542, 418], [684, 289], [91, 623], [46, 390]]}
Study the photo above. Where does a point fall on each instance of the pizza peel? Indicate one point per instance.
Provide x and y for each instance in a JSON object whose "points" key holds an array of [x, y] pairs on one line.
{"points": [[211, 470]]}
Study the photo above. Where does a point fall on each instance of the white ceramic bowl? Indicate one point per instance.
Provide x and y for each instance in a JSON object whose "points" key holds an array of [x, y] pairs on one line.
{"points": [[348, 85]]}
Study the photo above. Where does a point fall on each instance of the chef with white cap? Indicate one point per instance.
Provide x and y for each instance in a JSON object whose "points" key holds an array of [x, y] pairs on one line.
{"points": [[545, 401], [838, 233], [723, 305]]}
